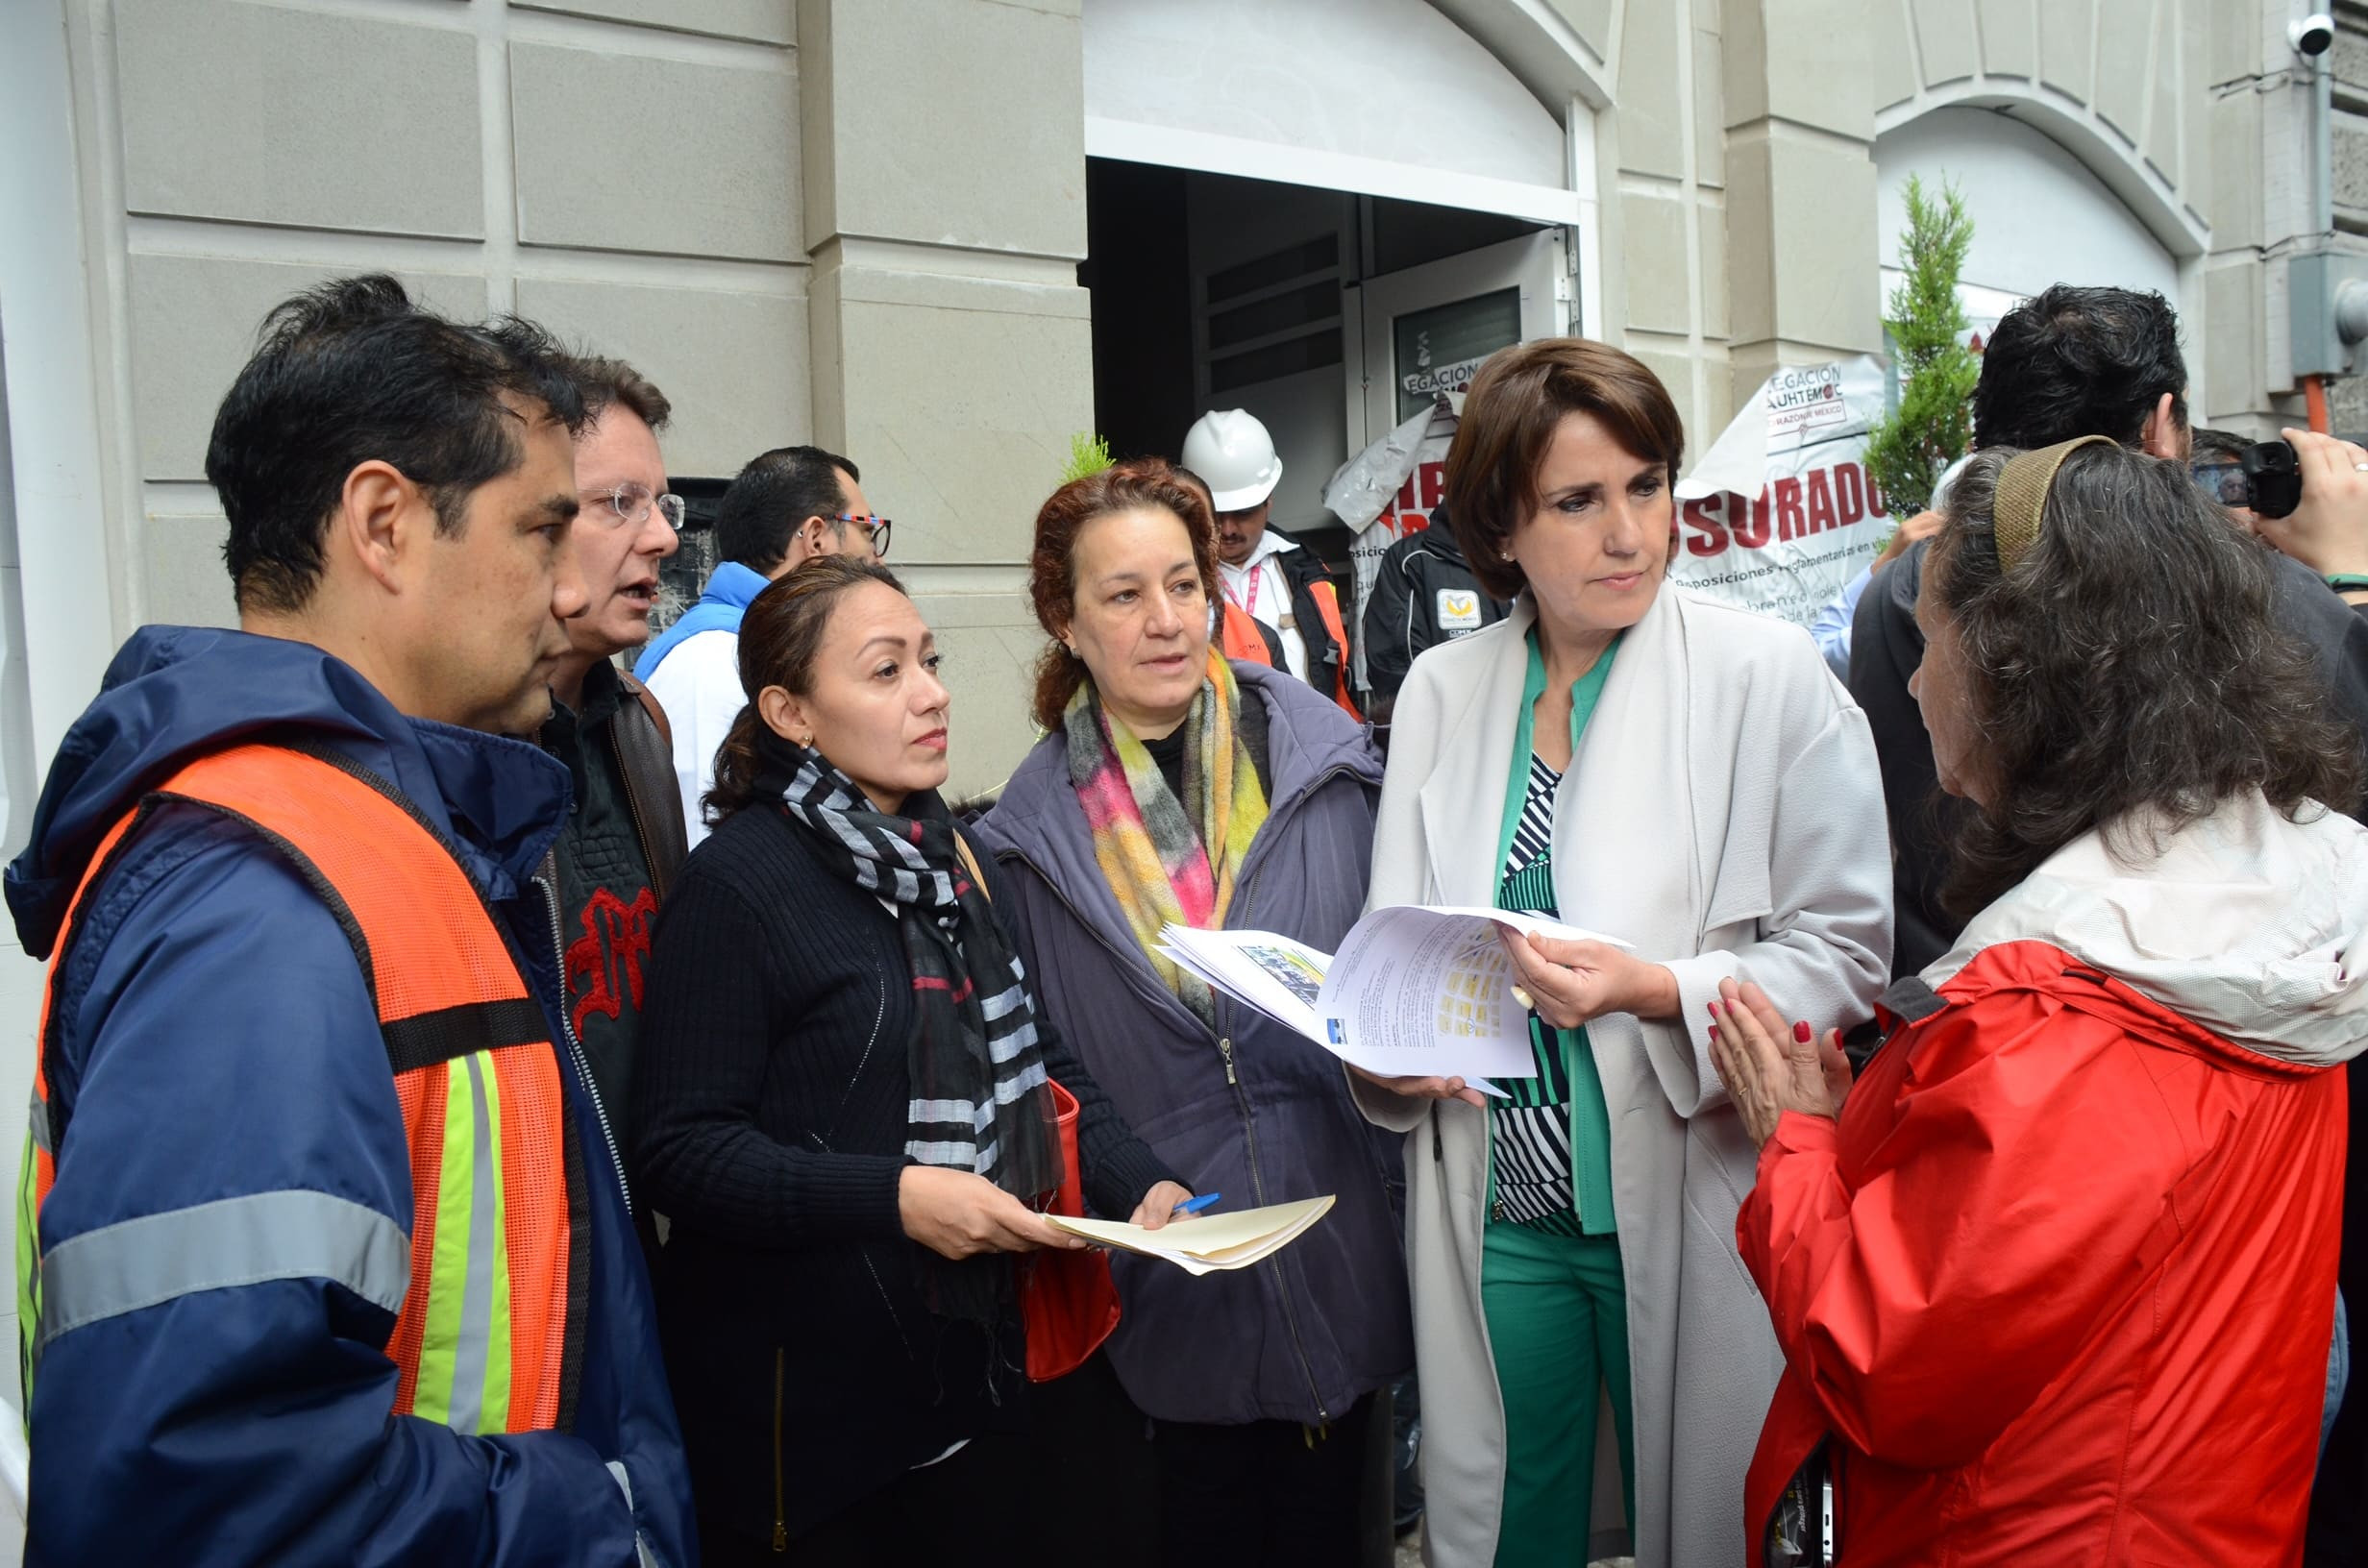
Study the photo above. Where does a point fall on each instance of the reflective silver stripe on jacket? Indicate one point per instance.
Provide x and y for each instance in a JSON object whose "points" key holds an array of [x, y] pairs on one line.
{"points": [[291, 1235]]}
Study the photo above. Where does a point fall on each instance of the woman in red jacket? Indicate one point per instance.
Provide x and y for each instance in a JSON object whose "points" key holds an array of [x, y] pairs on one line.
{"points": [[2056, 1285]]}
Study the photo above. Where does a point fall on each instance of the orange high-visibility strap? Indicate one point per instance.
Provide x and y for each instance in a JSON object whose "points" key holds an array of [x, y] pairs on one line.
{"points": [[1238, 635], [450, 1001], [1328, 605]]}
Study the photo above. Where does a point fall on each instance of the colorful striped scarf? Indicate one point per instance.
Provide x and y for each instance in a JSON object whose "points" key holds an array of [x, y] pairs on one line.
{"points": [[1154, 851]]}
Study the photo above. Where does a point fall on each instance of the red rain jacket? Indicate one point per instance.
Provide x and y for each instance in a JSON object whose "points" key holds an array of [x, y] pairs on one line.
{"points": [[2060, 1286]]}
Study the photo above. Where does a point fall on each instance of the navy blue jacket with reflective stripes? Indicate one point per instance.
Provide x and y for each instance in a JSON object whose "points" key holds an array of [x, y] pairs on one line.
{"points": [[218, 1043]]}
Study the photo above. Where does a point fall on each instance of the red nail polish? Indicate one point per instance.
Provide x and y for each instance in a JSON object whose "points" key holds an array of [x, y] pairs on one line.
{"points": [[1713, 1008], [1800, 1032]]}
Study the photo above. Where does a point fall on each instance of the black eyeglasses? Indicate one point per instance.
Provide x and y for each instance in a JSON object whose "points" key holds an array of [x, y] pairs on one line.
{"points": [[629, 504], [875, 528]]}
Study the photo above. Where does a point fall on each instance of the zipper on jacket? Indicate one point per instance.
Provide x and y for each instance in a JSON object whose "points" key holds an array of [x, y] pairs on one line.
{"points": [[1258, 1189], [1257, 1177], [632, 809], [780, 1512], [1249, 1126], [575, 1046]]}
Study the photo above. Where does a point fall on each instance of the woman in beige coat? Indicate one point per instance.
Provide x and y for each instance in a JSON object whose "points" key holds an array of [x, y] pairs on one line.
{"points": [[1686, 778]]}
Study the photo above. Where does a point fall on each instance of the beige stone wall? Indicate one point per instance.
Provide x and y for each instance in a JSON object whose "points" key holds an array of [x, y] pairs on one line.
{"points": [[1737, 189], [953, 349], [830, 222], [2348, 398], [626, 171]]}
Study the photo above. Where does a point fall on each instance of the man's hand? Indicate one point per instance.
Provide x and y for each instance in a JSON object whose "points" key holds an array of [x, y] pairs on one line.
{"points": [[1424, 1089], [1923, 526], [2329, 531]]}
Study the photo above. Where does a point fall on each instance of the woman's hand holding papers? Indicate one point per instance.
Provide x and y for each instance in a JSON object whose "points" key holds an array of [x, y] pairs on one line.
{"points": [[1569, 983], [1158, 1205], [957, 1215]]}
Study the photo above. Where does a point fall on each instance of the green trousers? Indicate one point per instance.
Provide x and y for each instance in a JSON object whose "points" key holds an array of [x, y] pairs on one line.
{"points": [[1557, 1327]]}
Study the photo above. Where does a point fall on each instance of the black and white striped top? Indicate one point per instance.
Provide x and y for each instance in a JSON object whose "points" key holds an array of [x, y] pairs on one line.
{"points": [[1532, 1166]]}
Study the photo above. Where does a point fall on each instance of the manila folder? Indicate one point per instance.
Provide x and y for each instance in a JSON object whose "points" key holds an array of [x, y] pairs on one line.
{"points": [[1203, 1244]]}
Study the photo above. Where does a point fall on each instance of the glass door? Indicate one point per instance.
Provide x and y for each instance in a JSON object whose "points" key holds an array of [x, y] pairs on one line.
{"points": [[1425, 331]]}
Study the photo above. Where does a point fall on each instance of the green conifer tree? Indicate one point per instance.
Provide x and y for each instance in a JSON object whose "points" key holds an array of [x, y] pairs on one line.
{"points": [[1934, 423], [1088, 453]]}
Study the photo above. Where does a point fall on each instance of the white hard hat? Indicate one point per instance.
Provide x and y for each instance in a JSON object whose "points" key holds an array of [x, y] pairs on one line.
{"points": [[1229, 447]]}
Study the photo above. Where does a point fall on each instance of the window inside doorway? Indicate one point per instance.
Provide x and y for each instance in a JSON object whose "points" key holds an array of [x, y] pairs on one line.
{"points": [[1211, 291]]}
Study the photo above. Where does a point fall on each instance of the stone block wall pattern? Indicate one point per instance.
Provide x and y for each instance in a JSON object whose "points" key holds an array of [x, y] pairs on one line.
{"points": [[733, 360], [255, 114], [626, 171], [657, 179], [952, 348]]}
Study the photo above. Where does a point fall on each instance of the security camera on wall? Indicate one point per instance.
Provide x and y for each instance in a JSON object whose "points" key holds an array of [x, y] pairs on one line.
{"points": [[2313, 36]]}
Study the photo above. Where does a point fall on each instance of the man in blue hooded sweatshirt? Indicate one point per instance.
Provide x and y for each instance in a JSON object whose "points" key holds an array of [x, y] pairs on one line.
{"points": [[322, 1257]]}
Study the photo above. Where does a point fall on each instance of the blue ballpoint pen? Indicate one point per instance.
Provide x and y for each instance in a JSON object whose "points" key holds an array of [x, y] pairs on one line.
{"points": [[1193, 1206]]}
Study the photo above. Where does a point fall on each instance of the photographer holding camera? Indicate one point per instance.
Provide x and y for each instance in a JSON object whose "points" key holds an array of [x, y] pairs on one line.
{"points": [[2325, 526], [2076, 362]]}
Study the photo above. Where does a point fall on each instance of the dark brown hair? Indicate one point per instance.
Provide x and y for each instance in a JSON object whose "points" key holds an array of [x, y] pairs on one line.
{"points": [[1141, 484], [2126, 674], [1510, 415], [607, 381], [780, 636]]}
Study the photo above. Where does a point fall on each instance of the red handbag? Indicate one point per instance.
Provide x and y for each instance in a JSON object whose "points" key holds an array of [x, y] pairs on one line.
{"points": [[1069, 1304], [1067, 1300]]}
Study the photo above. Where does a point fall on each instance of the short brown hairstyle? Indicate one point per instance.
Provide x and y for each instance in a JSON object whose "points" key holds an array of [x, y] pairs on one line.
{"points": [[1143, 485], [607, 381], [1516, 402]]}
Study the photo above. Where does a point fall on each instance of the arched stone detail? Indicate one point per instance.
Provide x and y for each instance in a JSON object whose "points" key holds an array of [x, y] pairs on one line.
{"points": [[2121, 85], [1562, 50]]}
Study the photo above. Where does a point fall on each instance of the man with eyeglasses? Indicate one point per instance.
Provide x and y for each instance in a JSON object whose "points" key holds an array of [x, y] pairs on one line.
{"points": [[782, 510], [622, 841]]}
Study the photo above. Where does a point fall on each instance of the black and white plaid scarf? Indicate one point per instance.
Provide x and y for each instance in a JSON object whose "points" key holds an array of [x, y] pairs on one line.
{"points": [[982, 1101]]}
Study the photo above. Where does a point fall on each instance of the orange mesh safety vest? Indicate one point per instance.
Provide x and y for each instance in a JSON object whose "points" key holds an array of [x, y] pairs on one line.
{"points": [[1238, 635], [484, 1340]]}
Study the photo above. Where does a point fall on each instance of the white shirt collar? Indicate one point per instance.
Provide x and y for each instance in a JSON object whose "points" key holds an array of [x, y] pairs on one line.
{"points": [[1270, 543]]}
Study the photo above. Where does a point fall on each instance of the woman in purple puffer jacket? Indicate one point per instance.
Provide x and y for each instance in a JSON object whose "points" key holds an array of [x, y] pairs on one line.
{"points": [[1175, 786]]}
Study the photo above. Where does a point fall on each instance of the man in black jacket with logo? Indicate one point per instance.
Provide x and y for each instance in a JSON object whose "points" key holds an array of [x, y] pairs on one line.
{"points": [[1423, 593], [624, 839]]}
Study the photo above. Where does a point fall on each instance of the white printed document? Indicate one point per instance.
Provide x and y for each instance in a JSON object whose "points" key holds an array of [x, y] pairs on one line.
{"points": [[1415, 991]]}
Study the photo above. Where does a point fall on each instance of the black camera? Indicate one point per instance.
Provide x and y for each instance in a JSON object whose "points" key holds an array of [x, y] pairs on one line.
{"points": [[2266, 476]]}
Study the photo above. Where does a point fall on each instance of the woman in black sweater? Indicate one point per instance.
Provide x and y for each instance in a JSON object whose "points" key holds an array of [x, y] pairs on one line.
{"points": [[845, 1118]]}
